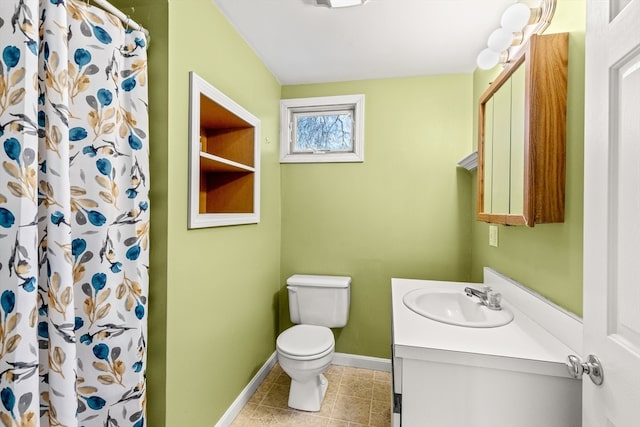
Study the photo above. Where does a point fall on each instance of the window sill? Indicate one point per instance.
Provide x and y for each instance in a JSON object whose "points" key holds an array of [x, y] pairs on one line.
{"points": [[322, 158]]}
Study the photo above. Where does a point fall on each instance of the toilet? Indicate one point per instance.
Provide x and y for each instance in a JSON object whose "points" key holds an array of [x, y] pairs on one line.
{"points": [[305, 350]]}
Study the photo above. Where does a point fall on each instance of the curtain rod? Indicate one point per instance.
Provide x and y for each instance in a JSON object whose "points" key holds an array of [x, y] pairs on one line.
{"points": [[128, 22]]}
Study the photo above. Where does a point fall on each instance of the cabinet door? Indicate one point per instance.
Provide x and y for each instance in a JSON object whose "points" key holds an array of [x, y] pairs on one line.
{"points": [[501, 149], [516, 158], [488, 158]]}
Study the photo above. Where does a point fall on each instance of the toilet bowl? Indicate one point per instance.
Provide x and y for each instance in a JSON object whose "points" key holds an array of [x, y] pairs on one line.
{"points": [[304, 353], [306, 350]]}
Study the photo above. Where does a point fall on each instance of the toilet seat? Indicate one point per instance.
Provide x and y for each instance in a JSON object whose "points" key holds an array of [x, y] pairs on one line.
{"points": [[306, 342]]}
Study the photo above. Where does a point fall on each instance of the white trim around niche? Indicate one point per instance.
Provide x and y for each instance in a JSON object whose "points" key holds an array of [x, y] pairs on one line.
{"points": [[199, 87]]}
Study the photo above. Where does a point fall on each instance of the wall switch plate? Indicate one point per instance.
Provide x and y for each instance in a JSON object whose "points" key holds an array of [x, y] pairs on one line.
{"points": [[493, 235]]}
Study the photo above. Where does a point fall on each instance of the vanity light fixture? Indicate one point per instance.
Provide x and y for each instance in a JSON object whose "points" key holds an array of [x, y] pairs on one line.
{"points": [[519, 21], [340, 3], [502, 39], [489, 58], [515, 17]]}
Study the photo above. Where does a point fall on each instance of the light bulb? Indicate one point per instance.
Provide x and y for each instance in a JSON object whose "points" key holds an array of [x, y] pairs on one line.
{"points": [[516, 17], [500, 40], [487, 59]]}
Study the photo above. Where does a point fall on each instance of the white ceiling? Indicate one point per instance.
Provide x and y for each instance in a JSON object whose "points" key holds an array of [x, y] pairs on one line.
{"points": [[301, 42]]}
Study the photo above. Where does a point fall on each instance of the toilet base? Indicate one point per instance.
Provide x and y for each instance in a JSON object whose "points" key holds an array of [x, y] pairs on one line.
{"points": [[308, 396]]}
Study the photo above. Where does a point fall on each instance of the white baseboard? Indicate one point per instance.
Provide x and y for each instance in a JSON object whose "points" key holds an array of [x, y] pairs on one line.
{"points": [[341, 359], [247, 392], [366, 362]]}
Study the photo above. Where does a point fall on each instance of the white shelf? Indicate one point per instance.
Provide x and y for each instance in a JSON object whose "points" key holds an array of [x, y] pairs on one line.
{"points": [[211, 163], [470, 162]]}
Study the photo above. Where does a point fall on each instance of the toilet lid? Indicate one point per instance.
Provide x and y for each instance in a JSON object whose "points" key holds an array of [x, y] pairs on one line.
{"points": [[305, 340]]}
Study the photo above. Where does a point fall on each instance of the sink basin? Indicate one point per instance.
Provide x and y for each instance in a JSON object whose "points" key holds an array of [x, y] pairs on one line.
{"points": [[455, 308]]}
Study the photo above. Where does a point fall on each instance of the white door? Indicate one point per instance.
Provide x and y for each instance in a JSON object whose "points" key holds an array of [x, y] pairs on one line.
{"points": [[612, 212]]}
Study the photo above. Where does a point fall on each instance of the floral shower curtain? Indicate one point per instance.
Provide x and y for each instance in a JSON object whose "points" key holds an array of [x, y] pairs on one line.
{"points": [[74, 216]]}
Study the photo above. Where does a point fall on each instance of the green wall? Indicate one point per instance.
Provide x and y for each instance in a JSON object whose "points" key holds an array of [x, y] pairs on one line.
{"points": [[222, 282], [213, 292], [404, 212], [548, 257]]}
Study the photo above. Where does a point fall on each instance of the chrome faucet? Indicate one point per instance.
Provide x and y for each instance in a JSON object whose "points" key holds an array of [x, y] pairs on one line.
{"points": [[487, 297]]}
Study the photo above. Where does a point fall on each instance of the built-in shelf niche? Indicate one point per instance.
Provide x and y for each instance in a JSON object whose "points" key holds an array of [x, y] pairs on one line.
{"points": [[224, 159]]}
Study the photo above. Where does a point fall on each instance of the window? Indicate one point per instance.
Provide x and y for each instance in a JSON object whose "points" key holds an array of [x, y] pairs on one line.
{"points": [[325, 129]]}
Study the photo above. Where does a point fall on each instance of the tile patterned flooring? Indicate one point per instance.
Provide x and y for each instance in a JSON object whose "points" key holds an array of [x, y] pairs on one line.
{"points": [[355, 397]]}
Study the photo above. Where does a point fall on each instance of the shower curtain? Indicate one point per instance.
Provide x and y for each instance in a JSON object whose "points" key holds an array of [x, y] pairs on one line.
{"points": [[74, 216]]}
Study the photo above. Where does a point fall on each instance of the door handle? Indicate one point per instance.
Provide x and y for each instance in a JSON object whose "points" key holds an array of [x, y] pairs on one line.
{"points": [[591, 367]]}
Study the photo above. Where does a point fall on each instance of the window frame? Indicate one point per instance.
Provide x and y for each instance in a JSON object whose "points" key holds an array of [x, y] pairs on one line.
{"points": [[290, 108]]}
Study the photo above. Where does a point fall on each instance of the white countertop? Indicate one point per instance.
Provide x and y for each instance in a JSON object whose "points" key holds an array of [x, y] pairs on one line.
{"points": [[521, 345]]}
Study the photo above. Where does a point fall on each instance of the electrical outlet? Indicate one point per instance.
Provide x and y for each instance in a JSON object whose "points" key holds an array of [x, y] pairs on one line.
{"points": [[493, 235]]}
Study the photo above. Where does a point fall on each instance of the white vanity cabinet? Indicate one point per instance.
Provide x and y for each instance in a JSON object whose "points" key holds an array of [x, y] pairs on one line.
{"points": [[452, 376]]}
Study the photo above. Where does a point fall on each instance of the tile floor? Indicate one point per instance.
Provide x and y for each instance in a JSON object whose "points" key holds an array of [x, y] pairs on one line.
{"points": [[355, 397]]}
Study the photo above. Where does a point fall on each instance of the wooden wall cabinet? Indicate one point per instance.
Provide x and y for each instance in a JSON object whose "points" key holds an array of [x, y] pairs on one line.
{"points": [[224, 159], [522, 137]]}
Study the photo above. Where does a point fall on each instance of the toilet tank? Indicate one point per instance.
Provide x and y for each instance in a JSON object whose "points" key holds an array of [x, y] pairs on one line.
{"points": [[319, 300]]}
